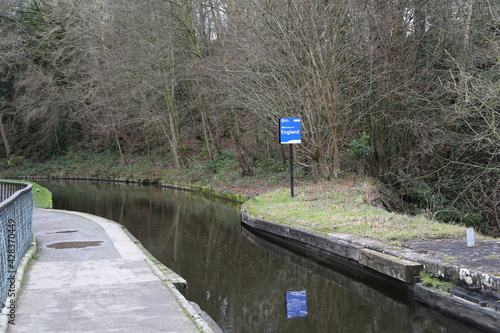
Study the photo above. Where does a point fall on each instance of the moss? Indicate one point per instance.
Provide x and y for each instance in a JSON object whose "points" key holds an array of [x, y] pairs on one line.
{"points": [[208, 191], [430, 281]]}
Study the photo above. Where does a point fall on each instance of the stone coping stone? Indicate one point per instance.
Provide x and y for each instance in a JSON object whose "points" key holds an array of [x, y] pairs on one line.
{"points": [[398, 268]]}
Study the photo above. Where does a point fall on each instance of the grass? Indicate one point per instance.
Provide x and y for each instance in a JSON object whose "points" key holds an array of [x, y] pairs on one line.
{"points": [[431, 282], [344, 206], [42, 196]]}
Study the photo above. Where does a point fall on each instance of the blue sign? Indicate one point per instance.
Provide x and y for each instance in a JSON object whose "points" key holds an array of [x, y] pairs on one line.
{"points": [[296, 304], [290, 130]]}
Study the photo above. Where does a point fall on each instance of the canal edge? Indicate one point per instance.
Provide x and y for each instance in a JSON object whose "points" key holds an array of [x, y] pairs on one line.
{"points": [[203, 190], [174, 282], [474, 309]]}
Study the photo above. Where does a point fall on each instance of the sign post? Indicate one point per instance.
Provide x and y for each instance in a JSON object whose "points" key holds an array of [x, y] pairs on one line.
{"points": [[290, 134], [291, 170]]}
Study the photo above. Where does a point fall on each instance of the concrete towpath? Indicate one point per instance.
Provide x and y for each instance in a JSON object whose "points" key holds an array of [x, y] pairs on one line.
{"points": [[90, 276]]}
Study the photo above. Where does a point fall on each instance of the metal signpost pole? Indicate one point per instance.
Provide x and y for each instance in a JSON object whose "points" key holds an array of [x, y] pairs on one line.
{"points": [[291, 169]]}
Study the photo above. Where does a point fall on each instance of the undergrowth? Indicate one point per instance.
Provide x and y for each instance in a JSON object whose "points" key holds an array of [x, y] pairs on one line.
{"points": [[222, 173]]}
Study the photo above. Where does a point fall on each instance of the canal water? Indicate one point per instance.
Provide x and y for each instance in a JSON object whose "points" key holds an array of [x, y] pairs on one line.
{"points": [[245, 281]]}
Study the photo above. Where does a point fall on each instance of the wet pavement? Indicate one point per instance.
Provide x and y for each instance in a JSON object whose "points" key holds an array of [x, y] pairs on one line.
{"points": [[90, 276]]}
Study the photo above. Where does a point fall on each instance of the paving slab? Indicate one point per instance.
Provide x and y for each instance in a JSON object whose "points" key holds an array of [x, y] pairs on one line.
{"points": [[91, 277], [483, 257]]}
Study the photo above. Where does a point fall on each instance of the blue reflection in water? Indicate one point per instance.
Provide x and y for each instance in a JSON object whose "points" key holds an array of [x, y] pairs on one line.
{"points": [[296, 304]]}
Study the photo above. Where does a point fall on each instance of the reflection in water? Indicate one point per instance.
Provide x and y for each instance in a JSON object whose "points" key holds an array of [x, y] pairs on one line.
{"points": [[296, 304], [240, 278], [360, 301]]}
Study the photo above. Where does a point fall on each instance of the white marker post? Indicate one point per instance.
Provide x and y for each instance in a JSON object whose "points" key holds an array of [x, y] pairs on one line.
{"points": [[290, 134], [470, 237]]}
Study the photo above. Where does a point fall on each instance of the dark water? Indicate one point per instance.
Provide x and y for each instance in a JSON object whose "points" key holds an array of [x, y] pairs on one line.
{"points": [[241, 278]]}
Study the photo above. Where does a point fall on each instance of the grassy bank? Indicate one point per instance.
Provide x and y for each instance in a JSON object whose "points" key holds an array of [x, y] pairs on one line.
{"points": [[42, 197], [347, 207]]}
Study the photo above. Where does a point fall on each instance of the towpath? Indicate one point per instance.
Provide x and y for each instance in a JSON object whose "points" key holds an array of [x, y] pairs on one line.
{"points": [[90, 276]]}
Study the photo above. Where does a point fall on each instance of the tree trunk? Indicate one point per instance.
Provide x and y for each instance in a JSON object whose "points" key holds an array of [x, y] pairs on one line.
{"points": [[4, 137], [244, 169], [177, 148]]}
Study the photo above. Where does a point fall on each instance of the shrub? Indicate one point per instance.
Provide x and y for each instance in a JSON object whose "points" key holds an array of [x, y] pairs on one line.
{"points": [[223, 162], [359, 148], [16, 161]]}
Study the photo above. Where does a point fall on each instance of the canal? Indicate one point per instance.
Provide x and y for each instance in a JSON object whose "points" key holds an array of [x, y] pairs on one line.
{"points": [[245, 280]]}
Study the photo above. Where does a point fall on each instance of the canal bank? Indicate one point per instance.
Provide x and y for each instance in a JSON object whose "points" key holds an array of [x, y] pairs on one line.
{"points": [[90, 275], [474, 297], [393, 307]]}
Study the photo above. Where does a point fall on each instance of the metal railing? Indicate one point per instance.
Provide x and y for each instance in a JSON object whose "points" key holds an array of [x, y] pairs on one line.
{"points": [[16, 216]]}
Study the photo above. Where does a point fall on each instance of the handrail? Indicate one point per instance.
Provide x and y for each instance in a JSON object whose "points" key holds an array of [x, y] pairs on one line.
{"points": [[16, 216], [7, 189]]}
